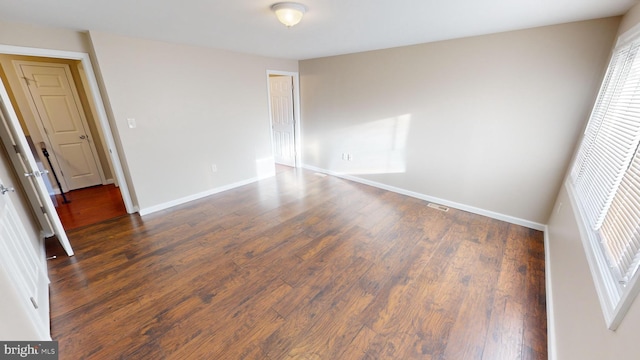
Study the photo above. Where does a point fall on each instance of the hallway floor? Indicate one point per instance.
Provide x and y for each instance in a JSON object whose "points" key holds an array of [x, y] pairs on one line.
{"points": [[89, 206]]}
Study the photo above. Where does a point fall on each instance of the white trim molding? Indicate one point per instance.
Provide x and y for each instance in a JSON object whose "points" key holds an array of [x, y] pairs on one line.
{"points": [[459, 206], [551, 323], [200, 195], [614, 302]]}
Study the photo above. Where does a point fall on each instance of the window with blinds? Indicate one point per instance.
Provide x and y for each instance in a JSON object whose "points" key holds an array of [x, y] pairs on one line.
{"points": [[605, 179]]}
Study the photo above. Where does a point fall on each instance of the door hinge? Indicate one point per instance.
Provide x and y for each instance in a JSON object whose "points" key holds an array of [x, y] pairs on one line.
{"points": [[43, 210], [33, 302], [15, 147], [45, 131]]}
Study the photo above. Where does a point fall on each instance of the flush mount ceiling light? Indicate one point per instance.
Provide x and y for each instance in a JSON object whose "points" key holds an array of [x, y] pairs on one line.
{"points": [[289, 13]]}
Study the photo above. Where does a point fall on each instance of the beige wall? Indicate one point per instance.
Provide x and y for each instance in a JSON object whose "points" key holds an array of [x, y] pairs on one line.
{"points": [[630, 19], [43, 37], [580, 328], [194, 107], [488, 122]]}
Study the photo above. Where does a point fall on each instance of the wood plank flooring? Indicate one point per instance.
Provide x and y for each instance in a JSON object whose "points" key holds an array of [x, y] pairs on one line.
{"points": [[301, 266], [89, 206]]}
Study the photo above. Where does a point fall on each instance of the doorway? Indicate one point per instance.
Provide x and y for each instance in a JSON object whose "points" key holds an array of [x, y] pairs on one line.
{"points": [[60, 120], [111, 181], [284, 114]]}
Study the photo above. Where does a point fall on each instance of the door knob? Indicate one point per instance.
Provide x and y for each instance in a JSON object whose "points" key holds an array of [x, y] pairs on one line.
{"points": [[83, 137], [4, 190], [36, 173]]}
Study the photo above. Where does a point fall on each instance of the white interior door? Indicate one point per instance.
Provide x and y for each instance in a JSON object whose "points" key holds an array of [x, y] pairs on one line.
{"points": [[23, 161], [23, 271], [54, 99], [282, 119]]}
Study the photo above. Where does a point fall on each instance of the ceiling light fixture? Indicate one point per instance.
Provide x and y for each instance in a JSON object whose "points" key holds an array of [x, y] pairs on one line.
{"points": [[289, 13]]}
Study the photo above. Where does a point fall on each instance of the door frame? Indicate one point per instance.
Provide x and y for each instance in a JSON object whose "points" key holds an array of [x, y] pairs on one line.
{"points": [[94, 93], [40, 125], [296, 113]]}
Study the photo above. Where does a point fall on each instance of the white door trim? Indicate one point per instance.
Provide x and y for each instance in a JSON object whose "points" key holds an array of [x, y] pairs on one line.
{"points": [[296, 111], [94, 92]]}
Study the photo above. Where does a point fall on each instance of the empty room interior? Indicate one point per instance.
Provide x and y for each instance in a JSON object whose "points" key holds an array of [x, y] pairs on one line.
{"points": [[321, 179]]}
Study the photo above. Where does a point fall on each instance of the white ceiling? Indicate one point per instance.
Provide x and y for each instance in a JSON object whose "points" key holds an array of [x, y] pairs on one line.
{"points": [[330, 27]]}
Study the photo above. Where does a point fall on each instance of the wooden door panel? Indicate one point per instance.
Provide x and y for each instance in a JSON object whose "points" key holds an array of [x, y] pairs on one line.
{"points": [[16, 250], [80, 162], [19, 260], [282, 120], [59, 116], [15, 142], [282, 144], [57, 105], [54, 81]]}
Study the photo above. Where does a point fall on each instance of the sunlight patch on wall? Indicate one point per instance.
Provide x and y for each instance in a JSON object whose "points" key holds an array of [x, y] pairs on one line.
{"points": [[265, 167], [376, 147]]}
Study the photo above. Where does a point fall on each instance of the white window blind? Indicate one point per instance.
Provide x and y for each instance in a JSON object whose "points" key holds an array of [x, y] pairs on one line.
{"points": [[605, 176], [621, 225], [611, 137]]}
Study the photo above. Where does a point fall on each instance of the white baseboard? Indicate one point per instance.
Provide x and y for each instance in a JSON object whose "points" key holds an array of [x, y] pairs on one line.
{"points": [[471, 209], [168, 204], [551, 324], [56, 190]]}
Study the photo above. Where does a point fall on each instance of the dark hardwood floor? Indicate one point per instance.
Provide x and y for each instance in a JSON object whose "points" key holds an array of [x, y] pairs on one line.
{"points": [[301, 266], [89, 206]]}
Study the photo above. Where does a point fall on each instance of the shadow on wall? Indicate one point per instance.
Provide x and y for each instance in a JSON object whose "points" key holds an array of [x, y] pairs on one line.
{"points": [[376, 147]]}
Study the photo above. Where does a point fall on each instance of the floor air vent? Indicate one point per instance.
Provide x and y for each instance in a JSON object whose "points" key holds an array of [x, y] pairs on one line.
{"points": [[438, 207]]}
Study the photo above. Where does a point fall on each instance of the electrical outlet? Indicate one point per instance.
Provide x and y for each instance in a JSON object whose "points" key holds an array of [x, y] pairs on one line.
{"points": [[214, 167], [349, 157], [344, 156], [132, 123]]}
